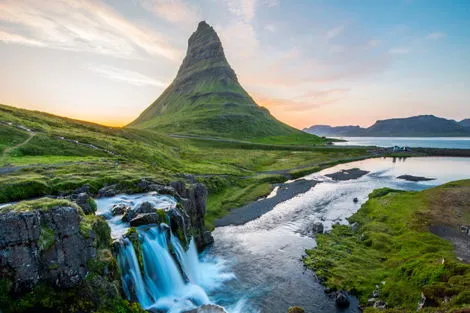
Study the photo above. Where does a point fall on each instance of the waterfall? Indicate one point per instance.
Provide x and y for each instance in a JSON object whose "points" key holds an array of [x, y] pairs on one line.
{"points": [[162, 282]]}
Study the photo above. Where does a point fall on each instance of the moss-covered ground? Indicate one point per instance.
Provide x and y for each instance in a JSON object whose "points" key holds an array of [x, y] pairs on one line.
{"points": [[393, 248]]}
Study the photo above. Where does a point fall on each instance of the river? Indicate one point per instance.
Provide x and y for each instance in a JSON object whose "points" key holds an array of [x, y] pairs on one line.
{"points": [[257, 267]]}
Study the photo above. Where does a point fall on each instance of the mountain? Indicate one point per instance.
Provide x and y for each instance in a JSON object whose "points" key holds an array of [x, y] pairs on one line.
{"points": [[326, 130], [465, 123], [206, 98], [415, 126]]}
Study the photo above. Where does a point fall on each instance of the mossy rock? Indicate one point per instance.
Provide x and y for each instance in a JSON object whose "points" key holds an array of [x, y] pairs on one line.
{"points": [[295, 309]]}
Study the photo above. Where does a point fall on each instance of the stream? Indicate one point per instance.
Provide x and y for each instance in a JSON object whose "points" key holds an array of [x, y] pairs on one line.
{"points": [[257, 267]]}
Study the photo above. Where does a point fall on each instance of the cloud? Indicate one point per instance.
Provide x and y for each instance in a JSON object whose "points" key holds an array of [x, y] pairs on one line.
{"points": [[270, 28], [7, 37], [309, 100], [83, 26], [436, 35], [373, 43], [334, 32], [244, 9], [399, 50], [122, 75], [175, 11]]}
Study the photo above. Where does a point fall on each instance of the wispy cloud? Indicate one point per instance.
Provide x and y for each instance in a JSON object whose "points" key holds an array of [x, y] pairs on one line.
{"points": [[18, 39], [175, 11], [334, 32], [126, 76], [84, 26], [270, 27], [436, 35], [399, 50]]}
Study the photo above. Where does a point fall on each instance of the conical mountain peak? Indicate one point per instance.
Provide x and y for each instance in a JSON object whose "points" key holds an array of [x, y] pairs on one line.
{"points": [[206, 97], [204, 51]]}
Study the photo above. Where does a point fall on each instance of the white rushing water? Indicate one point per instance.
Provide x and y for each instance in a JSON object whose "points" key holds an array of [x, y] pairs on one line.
{"points": [[171, 278]]}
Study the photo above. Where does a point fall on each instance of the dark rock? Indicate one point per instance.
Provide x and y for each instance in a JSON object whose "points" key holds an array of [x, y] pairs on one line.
{"points": [[355, 200], [108, 191], [85, 202], [120, 209], [145, 185], [144, 207], [317, 228], [414, 178], [44, 246], [355, 226], [342, 299], [145, 219], [167, 190], [380, 304], [208, 308]]}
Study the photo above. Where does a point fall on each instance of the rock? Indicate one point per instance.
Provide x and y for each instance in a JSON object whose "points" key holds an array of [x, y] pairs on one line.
{"points": [[342, 299], [108, 191], [355, 200], [355, 226], [380, 304], [145, 185], [208, 308], [317, 228], [120, 209], [145, 219], [144, 207], [44, 246], [295, 309], [86, 203]]}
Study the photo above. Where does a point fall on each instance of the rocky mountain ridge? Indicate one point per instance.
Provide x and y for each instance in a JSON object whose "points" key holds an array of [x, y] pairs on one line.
{"points": [[415, 126]]}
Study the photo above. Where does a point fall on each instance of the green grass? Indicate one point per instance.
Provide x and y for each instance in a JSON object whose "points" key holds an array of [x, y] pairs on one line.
{"points": [[10, 136], [394, 249], [244, 170], [42, 204]]}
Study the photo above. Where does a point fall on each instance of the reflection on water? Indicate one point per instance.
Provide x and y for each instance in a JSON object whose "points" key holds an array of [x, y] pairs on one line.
{"points": [[266, 252]]}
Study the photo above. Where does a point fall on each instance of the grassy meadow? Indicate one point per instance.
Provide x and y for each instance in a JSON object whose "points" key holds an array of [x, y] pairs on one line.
{"points": [[42, 154]]}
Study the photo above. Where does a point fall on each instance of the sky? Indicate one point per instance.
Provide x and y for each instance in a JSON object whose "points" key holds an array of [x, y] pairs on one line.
{"points": [[336, 62]]}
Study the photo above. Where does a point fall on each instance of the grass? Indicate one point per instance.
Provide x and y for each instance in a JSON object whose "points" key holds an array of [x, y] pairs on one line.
{"points": [[394, 249], [235, 171], [42, 204]]}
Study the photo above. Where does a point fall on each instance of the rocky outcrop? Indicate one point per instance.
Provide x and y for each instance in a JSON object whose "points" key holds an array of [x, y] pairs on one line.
{"points": [[44, 245], [342, 299], [317, 228]]}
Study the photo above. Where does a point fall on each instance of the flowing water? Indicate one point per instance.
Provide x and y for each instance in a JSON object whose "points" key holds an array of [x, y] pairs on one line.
{"points": [[257, 267]]}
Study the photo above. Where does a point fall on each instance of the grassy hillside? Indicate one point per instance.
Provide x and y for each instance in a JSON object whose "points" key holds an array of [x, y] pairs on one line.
{"points": [[45, 154], [394, 249]]}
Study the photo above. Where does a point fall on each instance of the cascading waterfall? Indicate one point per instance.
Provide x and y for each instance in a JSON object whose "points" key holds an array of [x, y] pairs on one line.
{"points": [[165, 283]]}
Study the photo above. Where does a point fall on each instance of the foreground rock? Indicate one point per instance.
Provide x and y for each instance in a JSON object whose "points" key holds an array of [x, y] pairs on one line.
{"points": [[44, 245], [317, 228]]}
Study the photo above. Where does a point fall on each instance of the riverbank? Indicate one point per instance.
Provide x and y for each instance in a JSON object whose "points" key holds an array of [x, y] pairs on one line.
{"points": [[392, 254]]}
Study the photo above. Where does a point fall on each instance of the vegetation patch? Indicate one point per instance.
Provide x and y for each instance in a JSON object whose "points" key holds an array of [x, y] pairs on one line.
{"points": [[392, 252], [42, 204], [46, 238]]}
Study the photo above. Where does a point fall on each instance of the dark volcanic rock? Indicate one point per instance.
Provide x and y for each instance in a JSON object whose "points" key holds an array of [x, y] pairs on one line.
{"points": [[44, 246], [120, 209], [342, 299], [414, 178], [317, 228], [84, 201], [353, 173], [145, 219]]}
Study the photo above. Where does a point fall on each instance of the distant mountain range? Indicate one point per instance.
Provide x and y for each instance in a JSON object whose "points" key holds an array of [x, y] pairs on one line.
{"points": [[415, 126]]}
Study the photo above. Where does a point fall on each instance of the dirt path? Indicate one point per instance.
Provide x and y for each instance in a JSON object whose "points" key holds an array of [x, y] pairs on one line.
{"points": [[8, 150]]}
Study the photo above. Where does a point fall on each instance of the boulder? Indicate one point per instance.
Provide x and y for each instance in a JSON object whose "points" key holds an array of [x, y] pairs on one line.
{"points": [[86, 203], [342, 299], [120, 209], [355, 200], [144, 207], [145, 219], [317, 228]]}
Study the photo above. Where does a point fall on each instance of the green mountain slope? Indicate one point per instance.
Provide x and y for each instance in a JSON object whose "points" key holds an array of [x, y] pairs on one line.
{"points": [[206, 98]]}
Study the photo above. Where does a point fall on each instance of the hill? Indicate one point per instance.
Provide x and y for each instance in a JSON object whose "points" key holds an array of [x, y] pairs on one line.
{"points": [[465, 123], [415, 126], [206, 99]]}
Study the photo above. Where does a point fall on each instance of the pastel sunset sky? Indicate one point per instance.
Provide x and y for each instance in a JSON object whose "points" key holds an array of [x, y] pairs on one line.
{"points": [[337, 62]]}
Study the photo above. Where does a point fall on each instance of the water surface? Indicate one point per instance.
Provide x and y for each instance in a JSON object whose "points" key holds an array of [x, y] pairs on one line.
{"points": [[421, 142]]}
